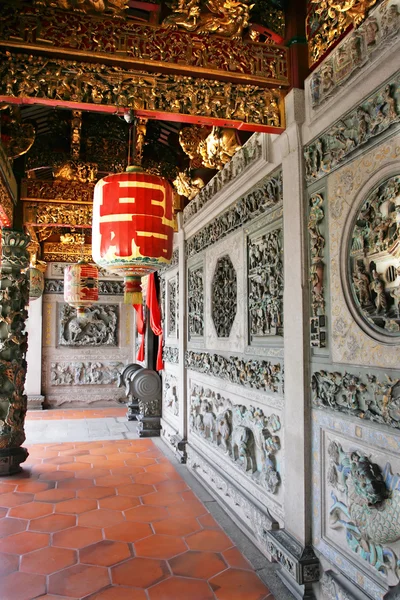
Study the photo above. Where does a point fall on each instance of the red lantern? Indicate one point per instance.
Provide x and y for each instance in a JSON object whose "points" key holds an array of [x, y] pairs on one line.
{"points": [[81, 286], [133, 226]]}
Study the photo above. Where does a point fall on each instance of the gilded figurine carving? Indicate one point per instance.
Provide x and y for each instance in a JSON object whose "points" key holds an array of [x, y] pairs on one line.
{"points": [[186, 186], [189, 139], [218, 147], [114, 7]]}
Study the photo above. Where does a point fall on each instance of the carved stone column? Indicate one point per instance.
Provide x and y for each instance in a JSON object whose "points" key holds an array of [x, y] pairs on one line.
{"points": [[14, 293], [33, 383]]}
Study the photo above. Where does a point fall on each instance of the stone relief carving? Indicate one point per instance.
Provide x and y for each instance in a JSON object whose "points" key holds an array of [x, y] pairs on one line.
{"points": [[317, 271], [224, 296], [56, 286], [173, 294], [374, 259], [85, 373], [170, 395], [265, 275], [57, 268], [248, 153], [366, 503], [332, 590], [257, 374], [370, 399], [245, 435], [196, 302], [373, 116], [99, 326], [266, 194], [171, 354], [298, 560], [373, 35], [174, 263]]}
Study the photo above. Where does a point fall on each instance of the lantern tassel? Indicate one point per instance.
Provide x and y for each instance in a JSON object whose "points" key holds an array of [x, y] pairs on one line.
{"points": [[133, 290]]}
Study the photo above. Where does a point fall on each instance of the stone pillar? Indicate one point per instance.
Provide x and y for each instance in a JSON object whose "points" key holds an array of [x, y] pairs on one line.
{"points": [[33, 383], [14, 294], [181, 442], [291, 546]]}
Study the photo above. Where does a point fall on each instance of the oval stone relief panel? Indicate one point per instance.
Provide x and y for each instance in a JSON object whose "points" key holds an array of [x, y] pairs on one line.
{"points": [[374, 261], [224, 301]]}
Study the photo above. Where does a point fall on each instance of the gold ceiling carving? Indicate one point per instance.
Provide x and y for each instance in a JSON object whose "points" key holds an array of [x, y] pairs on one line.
{"points": [[114, 7], [57, 191], [6, 206], [70, 253], [55, 214], [26, 76], [187, 186], [81, 37]]}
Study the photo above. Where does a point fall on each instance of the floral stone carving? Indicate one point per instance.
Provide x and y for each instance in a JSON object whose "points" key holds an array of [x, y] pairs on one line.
{"points": [[196, 302], [14, 297], [265, 259], [257, 374], [370, 399], [99, 326], [317, 271], [366, 503], [243, 434], [374, 260], [85, 373], [224, 296], [170, 395], [173, 292]]}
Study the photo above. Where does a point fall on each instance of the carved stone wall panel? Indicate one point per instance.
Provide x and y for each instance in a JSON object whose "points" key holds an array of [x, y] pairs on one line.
{"points": [[99, 326], [265, 285], [224, 296], [55, 270], [346, 189], [195, 302], [170, 405], [356, 501], [84, 373], [172, 307]]}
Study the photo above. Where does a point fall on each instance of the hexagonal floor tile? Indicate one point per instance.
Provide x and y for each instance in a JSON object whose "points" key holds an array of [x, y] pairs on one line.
{"points": [[151, 478], [201, 565], [140, 572], [135, 489], [56, 475], [178, 588], [100, 518], [78, 581], [15, 499], [76, 506], [119, 502], [75, 484], [32, 487], [32, 510], [52, 523], [234, 558], [171, 486], [208, 522], [48, 560], [92, 472], [146, 514], [128, 532], [233, 584], [9, 526], [8, 563], [162, 499], [187, 509], [23, 586], [77, 537], [120, 593], [176, 526], [160, 546], [96, 492], [104, 553], [114, 480], [209, 540], [54, 495], [24, 542]]}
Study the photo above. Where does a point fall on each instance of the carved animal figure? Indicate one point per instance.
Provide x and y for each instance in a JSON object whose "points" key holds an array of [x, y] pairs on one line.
{"points": [[218, 147], [243, 447]]}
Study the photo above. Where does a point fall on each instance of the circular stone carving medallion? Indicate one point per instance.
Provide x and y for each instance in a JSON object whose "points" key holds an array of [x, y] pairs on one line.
{"points": [[374, 261], [224, 297]]}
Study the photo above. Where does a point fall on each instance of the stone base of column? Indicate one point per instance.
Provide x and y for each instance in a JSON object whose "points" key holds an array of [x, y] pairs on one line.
{"points": [[133, 409], [149, 426], [10, 460], [36, 402], [300, 566]]}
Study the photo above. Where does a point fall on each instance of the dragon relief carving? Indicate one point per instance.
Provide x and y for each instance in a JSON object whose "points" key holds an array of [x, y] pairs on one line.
{"points": [[99, 326], [366, 503], [265, 280], [245, 435]]}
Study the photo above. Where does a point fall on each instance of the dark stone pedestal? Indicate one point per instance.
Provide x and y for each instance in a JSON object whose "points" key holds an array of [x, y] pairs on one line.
{"points": [[133, 409], [10, 460], [149, 426]]}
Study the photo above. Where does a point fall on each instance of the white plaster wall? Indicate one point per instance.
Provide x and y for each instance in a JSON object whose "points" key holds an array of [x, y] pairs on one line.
{"points": [[33, 382]]}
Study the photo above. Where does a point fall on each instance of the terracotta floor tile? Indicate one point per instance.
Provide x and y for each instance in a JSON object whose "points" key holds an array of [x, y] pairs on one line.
{"points": [[96, 492], [76, 506], [75, 466], [8, 526], [119, 502], [52, 523], [93, 460], [208, 522], [26, 541], [140, 572], [114, 480], [128, 532], [105, 553], [140, 462], [146, 514], [32, 510], [33, 486], [151, 478], [135, 489], [162, 499], [22, 586], [57, 460], [120, 593], [92, 473], [187, 509], [209, 540], [127, 470], [15, 499], [171, 486], [8, 563], [78, 581], [201, 565], [233, 584], [56, 475], [4, 511], [234, 558], [48, 560], [54, 495], [151, 453], [7, 487], [177, 588], [75, 484], [161, 468], [100, 518], [77, 537], [177, 526], [160, 546]]}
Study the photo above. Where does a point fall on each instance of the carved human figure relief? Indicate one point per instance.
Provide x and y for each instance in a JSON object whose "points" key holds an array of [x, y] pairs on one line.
{"points": [[224, 296], [196, 302], [173, 307], [99, 326], [170, 395]]}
